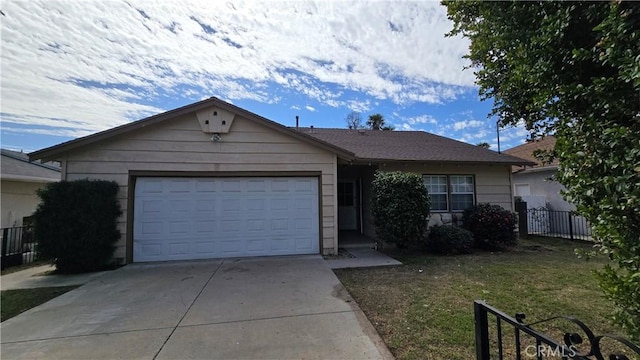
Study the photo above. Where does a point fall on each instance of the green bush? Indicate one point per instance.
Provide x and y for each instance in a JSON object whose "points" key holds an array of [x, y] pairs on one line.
{"points": [[492, 226], [75, 224], [449, 239], [400, 207]]}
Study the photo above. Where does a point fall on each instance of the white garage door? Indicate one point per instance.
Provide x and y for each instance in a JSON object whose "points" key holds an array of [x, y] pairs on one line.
{"points": [[199, 218]]}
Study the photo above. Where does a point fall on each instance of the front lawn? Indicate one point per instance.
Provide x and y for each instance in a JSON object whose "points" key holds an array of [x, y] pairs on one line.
{"points": [[18, 301], [424, 309]]}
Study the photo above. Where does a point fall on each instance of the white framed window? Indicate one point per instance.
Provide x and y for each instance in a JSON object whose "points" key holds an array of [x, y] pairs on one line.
{"points": [[437, 187], [450, 192], [462, 194]]}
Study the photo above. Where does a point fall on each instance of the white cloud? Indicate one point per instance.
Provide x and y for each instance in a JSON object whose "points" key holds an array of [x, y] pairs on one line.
{"points": [[310, 108], [48, 131], [465, 124], [408, 127], [413, 123], [91, 65], [422, 119]]}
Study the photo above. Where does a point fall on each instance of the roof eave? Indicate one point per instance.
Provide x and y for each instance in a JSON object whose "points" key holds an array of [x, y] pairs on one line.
{"points": [[536, 169], [52, 152], [467, 162]]}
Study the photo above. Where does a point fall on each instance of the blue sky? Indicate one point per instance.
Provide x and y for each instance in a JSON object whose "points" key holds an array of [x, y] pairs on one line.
{"points": [[72, 68]]}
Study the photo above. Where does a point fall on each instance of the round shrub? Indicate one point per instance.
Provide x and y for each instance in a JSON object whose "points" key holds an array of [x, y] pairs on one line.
{"points": [[492, 226], [400, 207], [449, 239]]}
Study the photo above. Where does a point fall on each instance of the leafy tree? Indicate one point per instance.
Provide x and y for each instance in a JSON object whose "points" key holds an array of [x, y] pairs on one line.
{"points": [[354, 120], [376, 122], [573, 68], [483, 145]]}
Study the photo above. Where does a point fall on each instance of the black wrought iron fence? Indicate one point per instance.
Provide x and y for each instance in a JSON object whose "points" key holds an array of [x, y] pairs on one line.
{"points": [[18, 246], [500, 336], [545, 222]]}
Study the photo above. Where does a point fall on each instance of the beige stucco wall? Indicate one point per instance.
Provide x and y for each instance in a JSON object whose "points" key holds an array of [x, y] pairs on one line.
{"points": [[18, 200], [492, 182], [180, 145]]}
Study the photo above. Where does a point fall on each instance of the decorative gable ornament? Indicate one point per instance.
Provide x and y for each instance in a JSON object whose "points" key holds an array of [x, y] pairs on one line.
{"points": [[214, 120]]}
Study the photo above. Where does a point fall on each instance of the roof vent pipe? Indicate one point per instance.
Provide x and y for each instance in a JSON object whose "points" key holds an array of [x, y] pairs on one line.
{"points": [[297, 121]]}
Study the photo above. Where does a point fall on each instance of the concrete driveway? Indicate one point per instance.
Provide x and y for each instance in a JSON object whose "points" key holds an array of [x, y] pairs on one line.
{"points": [[255, 308]]}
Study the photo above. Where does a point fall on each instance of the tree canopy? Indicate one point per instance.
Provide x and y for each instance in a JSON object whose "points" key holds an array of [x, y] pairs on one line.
{"points": [[377, 122], [573, 69], [354, 120]]}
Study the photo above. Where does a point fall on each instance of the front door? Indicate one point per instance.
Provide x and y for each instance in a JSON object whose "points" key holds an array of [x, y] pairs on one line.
{"points": [[347, 205]]}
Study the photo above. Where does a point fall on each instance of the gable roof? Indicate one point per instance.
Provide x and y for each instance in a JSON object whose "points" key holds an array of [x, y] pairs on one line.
{"points": [[526, 151], [376, 145], [50, 153], [365, 145]]}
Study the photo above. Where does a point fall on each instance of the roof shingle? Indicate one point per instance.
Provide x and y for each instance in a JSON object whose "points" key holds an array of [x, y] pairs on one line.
{"points": [[526, 151], [408, 146]]}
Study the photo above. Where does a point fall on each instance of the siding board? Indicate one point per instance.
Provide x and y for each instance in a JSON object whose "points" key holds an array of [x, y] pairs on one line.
{"points": [[179, 145], [104, 156]]}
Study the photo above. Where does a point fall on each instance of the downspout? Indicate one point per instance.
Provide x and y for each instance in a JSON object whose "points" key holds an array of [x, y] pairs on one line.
{"points": [[360, 205]]}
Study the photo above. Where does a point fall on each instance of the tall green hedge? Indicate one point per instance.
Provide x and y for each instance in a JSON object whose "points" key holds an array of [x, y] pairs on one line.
{"points": [[75, 224], [400, 207]]}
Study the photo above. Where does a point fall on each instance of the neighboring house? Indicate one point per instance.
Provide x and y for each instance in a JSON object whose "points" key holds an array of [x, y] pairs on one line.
{"points": [[20, 180], [536, 185], [211, 180]]}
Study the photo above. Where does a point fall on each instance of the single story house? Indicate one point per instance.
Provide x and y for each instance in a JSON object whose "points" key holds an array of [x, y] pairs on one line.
{"points": [[535, 184], [20, 180], [212, 180]]}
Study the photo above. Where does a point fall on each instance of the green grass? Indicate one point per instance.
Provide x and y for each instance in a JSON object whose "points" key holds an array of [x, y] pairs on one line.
{"points": [[18, 301], [424, 309]]}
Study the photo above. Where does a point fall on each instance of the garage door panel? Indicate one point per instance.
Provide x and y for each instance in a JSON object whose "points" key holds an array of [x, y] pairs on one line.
{"points": [[178, 227], [150, 186], [204, 226], [231, 185], [303, 244], [204, 247], [151, 228], [256, 245], [205, 186], [304, 186], [197, 218]]}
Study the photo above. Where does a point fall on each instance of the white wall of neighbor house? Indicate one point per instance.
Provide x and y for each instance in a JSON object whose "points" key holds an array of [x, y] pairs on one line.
{"points": [[540, 183], [20, 180], [179, 145], [18, 200]]}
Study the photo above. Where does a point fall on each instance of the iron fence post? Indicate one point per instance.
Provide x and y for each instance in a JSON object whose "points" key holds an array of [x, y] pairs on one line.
{"points": [[523, 227], [482, 331], [570, 226], [5, 235]]}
